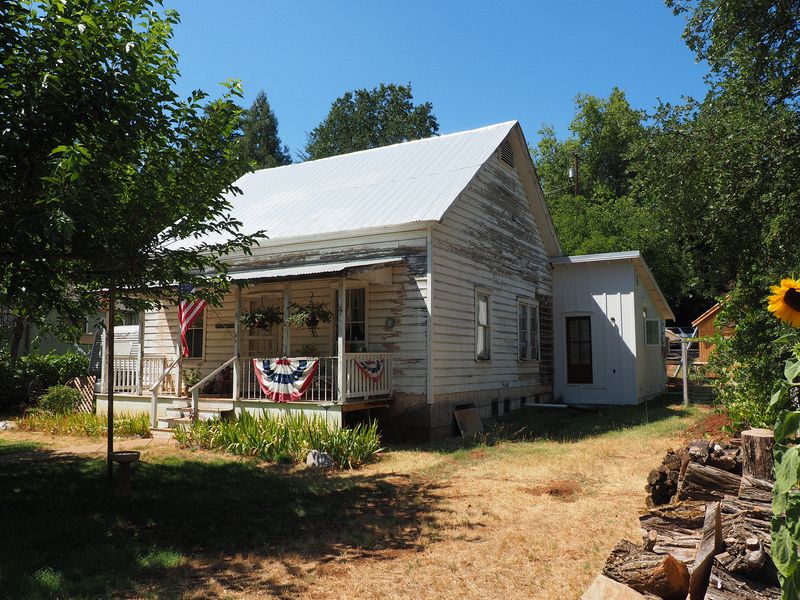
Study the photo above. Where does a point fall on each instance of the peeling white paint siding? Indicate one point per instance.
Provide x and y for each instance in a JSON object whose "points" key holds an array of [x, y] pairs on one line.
{"points": [[488, 239]]}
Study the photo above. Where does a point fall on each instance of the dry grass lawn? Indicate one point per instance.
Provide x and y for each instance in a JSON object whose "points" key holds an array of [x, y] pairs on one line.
{"points": [[514, 519]]}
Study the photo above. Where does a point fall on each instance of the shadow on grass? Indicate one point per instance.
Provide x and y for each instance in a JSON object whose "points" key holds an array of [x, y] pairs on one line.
{"points": [[63, 537], [570, 424]]}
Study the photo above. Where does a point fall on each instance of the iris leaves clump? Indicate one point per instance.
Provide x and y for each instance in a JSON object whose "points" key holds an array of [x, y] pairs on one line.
{"points": [[288, 438]]}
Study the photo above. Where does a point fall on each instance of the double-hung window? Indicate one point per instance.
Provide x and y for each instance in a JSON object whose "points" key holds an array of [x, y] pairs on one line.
{"points": [[652, 332], [527, 330], [194, 337], [483, 330]]}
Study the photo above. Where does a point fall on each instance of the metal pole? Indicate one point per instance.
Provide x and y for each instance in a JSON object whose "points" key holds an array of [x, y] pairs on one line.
{"points": [[685, 364], [110, 377]]}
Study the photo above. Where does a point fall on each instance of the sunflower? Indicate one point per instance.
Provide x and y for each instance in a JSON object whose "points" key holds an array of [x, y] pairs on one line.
{"points": [[784, 302]]}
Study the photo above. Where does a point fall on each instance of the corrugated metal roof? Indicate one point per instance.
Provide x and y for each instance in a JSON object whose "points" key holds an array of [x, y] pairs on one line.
{"points": [[404, 183], [639, 264], [313, 269]]}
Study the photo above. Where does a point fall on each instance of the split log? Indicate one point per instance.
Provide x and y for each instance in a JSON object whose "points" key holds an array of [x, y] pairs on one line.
{"points": [[677, 529], [702, 482], [662, 482], [709, 547], [603, 588], [729, 586], [754, 489], [648, 572], [757, 453]]}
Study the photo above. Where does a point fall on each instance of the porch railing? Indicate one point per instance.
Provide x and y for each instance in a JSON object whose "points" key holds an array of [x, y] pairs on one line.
{"points": [[126, 374], [323, 387]]}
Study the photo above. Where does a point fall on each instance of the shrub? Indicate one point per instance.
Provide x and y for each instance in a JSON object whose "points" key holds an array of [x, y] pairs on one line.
{"points": [[60, 399], [86, 424], [286, 438], [48, 369]]}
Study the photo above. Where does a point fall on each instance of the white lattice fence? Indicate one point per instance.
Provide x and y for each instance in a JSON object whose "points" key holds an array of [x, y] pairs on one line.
{"points": [[85, 387]]}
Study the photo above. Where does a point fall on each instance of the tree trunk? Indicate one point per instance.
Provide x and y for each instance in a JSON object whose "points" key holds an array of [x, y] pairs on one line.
{"points": [[110, 380], [648, 572], [701, 482], [17, 332], [757, 453]]}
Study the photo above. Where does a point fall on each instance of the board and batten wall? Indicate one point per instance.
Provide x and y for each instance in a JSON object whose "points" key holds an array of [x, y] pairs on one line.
{"points": [[602, 291], [651, 375], [488, 240]]}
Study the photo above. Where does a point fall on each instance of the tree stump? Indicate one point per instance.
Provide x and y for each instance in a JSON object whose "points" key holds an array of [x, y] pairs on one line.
{"points": [[757, 453]]}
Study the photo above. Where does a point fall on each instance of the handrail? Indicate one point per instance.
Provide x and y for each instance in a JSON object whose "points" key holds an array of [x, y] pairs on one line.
{"points": [[213, 373], [164, 375], [195, 389]]}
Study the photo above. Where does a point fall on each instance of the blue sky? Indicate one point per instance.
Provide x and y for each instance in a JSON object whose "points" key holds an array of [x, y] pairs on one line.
{"points": [[477, 62]]}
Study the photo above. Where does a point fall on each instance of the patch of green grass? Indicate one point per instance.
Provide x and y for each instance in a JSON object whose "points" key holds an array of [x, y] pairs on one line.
{"points": [[84, 424], [661, 416], [159, 558], [9, 447]]}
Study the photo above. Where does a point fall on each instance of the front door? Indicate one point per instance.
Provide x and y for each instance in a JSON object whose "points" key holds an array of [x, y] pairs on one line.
{"points": [[579, 350]]}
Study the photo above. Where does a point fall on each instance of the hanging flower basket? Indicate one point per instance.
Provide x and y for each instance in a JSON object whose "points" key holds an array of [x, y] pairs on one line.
{"points": [[263, 318], [309, 315]]}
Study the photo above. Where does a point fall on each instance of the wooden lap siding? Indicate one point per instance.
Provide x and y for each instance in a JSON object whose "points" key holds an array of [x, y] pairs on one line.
{"points": [[403, 300], [489, 239]]}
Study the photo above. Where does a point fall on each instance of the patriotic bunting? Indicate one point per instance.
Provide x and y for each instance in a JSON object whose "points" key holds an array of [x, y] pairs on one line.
{"points": [[284, 379], [372, 369]]}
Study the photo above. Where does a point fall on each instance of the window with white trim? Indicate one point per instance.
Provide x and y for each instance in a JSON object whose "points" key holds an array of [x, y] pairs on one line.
{"points": [[483, 331], [194, 336], [652, 332], [527, 330]]}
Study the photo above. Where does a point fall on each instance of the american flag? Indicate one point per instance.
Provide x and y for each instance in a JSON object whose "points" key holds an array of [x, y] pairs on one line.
{"points": [[188, 310]]}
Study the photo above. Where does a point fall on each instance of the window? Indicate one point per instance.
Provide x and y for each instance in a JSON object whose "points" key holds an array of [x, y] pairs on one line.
{"points": [[652, 332], [528, 331], [483, 332], [355, 321], [579, 350], [194, 337]]}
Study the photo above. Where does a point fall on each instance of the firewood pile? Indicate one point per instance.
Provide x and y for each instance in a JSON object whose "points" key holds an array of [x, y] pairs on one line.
{"points": [[706, 531]]}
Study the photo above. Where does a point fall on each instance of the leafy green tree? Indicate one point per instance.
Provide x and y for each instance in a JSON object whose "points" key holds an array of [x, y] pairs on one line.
{"points": [[750, 42], [260, 144], [722, 174], [365, 119], [104, 172], [605, 215]]}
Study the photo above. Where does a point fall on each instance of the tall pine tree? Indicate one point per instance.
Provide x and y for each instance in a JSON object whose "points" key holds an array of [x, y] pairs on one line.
{"points": [[260, 143]]}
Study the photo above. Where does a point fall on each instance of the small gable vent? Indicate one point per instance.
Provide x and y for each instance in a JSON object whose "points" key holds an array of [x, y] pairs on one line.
{"points": [[507, 153]]}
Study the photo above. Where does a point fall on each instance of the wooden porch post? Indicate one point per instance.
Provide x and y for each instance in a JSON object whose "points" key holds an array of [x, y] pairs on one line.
{"points": [[237, 332], [341, 379], [286, 299]]}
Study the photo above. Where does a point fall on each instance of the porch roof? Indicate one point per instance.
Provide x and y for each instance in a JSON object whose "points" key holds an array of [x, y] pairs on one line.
{"points": [[310, 270]]}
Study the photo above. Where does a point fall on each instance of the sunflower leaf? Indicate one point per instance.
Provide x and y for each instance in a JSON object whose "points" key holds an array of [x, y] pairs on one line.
{"points": [[791, 369]]}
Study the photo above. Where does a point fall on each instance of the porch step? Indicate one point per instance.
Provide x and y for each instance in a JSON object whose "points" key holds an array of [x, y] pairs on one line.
{"points": [[161, 432]]}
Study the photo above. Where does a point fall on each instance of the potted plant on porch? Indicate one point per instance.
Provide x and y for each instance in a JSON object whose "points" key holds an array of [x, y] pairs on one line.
{"points": [[262, 318], [190, 378], [309, 315]]}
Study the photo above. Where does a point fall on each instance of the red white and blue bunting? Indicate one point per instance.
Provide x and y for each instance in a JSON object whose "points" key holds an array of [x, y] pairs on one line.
{"points": [[372, 369], [284, 379]]}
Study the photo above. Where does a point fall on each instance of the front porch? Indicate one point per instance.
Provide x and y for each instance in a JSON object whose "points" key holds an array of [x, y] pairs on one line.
{"points": [[359, 374]]}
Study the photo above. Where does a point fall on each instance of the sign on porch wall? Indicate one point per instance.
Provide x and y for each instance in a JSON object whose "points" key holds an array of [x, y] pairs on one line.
{"points": [[284, 379]]}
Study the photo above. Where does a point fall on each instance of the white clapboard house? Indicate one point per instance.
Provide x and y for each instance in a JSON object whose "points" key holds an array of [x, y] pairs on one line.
{"points": [[437, 258]]}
